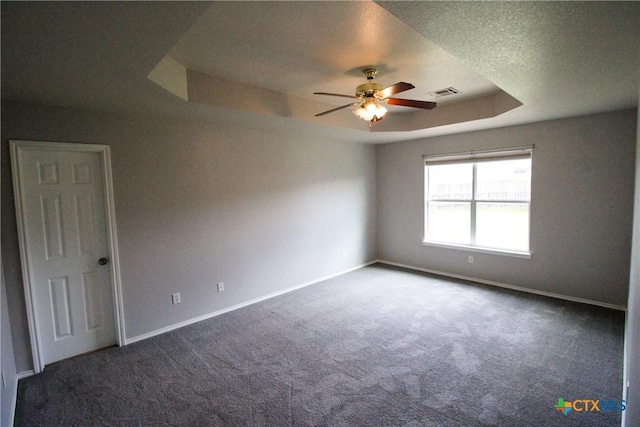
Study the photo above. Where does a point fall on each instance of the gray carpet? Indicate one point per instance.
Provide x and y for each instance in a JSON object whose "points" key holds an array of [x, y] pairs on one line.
{"points": [[379, 346]]}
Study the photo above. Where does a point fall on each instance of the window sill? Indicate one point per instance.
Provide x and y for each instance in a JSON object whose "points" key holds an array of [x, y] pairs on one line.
{"points": [[513, 254]]}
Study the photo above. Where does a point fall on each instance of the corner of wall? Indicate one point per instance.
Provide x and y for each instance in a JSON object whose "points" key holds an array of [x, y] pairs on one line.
{"points": [[631, 376]]}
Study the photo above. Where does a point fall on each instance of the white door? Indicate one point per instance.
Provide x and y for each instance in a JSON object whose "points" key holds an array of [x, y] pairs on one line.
{"points": [[60, 193]]}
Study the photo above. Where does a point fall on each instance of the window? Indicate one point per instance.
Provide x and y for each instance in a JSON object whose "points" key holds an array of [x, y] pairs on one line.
{"points": [[479, 200]]}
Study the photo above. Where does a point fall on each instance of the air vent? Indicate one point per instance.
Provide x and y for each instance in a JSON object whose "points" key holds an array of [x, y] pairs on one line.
{"points": [[446, 92]]}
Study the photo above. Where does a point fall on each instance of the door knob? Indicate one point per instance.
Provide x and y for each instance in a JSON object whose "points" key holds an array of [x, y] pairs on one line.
{"points": [[103, 261]]}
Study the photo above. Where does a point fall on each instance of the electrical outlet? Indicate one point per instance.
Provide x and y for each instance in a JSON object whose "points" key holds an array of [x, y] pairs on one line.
{"points": [[175, 298], [220, 286], [344, 254], [470, 259]]}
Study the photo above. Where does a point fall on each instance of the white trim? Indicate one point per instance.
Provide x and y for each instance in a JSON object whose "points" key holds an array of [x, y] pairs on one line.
{"points": [[114, 255], [507, 286], [14, 403], [14, 399], [34, 334], [479, 249], [103, 150], [479, 154], [25, 374], [241, 305]]}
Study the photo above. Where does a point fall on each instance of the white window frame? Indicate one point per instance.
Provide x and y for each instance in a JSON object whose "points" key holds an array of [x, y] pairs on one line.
{"points": [[475, 157]]}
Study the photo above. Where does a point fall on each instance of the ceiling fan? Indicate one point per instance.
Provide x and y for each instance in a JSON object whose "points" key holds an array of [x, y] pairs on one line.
{"points": [[369, 97]]}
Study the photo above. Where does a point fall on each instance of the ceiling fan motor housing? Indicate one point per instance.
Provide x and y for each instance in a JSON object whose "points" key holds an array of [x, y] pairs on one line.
{"points": [[368, 89]]}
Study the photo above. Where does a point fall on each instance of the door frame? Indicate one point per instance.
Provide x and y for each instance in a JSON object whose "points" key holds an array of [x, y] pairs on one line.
{"points": [[16, 146]]}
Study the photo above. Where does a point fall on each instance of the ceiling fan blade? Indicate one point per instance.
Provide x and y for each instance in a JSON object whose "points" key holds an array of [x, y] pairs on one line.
{"points": [[335, 109], [393, 89], [426, 105], [335, 94]]}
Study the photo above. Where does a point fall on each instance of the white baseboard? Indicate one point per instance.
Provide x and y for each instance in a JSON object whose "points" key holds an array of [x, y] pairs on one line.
{"points": [[14, 403], [25, 374], [14, 400], [506, 285], [237, 306]]}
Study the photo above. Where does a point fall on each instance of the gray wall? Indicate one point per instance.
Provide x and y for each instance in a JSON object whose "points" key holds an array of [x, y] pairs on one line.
{"points": [[581, 211], [197, 204], [631, 417]]}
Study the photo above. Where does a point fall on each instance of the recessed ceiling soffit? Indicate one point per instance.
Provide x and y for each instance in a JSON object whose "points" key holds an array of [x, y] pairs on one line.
{"points": [[261, 57]]}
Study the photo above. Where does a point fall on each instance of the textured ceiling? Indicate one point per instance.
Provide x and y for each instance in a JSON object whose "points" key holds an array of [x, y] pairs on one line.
{"points": [[558, 59], [578, 57], [288, 54], [275, 69]]}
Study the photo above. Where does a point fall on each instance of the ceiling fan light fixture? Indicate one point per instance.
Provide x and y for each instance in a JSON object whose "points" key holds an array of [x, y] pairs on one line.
{"points": [[370, 110]]}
